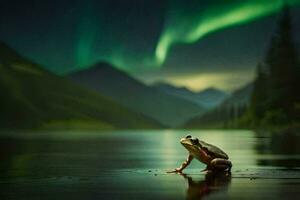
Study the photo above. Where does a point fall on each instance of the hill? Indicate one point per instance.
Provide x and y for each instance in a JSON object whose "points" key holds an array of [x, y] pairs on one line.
{"points": [[32, 97]]}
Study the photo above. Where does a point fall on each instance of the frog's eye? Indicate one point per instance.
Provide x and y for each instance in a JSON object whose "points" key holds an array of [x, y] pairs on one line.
{"points": [[195, 141], [188, 136]]}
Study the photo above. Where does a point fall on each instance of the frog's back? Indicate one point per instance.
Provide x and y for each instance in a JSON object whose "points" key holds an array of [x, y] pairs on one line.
{"points": [[213, 151]]}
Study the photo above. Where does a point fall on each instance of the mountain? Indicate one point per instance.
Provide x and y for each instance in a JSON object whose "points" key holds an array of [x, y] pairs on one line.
{"points": [[32, 97], [109, 81], [232, 108], [208, 98]]}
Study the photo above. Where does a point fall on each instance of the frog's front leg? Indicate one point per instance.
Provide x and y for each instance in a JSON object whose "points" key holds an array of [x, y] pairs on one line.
{"points": [[183, 165], [220, 164]]}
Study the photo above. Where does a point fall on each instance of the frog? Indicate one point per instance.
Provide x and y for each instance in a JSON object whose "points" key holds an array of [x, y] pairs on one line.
{"points": [[216, 160]]}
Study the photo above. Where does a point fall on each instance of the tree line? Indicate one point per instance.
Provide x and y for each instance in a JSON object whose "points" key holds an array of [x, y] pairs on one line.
{"points": [[275, 97]]}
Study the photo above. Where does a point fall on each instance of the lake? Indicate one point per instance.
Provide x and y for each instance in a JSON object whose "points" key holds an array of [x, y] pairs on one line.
{"points": [[133, 164]]}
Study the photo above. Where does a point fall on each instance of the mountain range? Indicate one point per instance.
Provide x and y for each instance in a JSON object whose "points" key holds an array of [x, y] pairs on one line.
{"points": [[102, 96]]}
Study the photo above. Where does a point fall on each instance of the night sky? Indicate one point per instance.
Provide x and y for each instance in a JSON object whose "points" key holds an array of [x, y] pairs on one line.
{"points": [[192, 43]]}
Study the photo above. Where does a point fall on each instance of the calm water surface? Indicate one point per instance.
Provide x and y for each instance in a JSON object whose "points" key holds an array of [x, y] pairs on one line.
{"points": [[133, 165]]}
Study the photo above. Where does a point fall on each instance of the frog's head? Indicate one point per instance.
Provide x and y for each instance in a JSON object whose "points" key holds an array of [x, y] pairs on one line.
{"points": [[191, 144]]}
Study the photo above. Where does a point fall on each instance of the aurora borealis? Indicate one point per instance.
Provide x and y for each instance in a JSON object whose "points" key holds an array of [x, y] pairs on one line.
{"points": [[177, 41]]}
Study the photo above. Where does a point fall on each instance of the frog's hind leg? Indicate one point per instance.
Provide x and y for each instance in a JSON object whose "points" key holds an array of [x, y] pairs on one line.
{"points": [[220, 164]]}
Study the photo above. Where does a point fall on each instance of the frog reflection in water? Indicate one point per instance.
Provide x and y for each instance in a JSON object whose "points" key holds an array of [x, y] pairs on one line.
{"points": [[212, 183], [212, 156]]}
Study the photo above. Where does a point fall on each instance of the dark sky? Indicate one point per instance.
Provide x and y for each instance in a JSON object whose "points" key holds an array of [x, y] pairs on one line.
{"points": [[193, 43]]}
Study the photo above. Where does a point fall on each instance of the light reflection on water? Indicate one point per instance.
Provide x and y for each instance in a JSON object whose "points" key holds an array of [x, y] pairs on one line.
{"points": [[132, 164]]}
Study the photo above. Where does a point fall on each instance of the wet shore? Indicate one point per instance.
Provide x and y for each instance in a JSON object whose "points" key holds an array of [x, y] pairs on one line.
{"points": [[122, 165]]}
